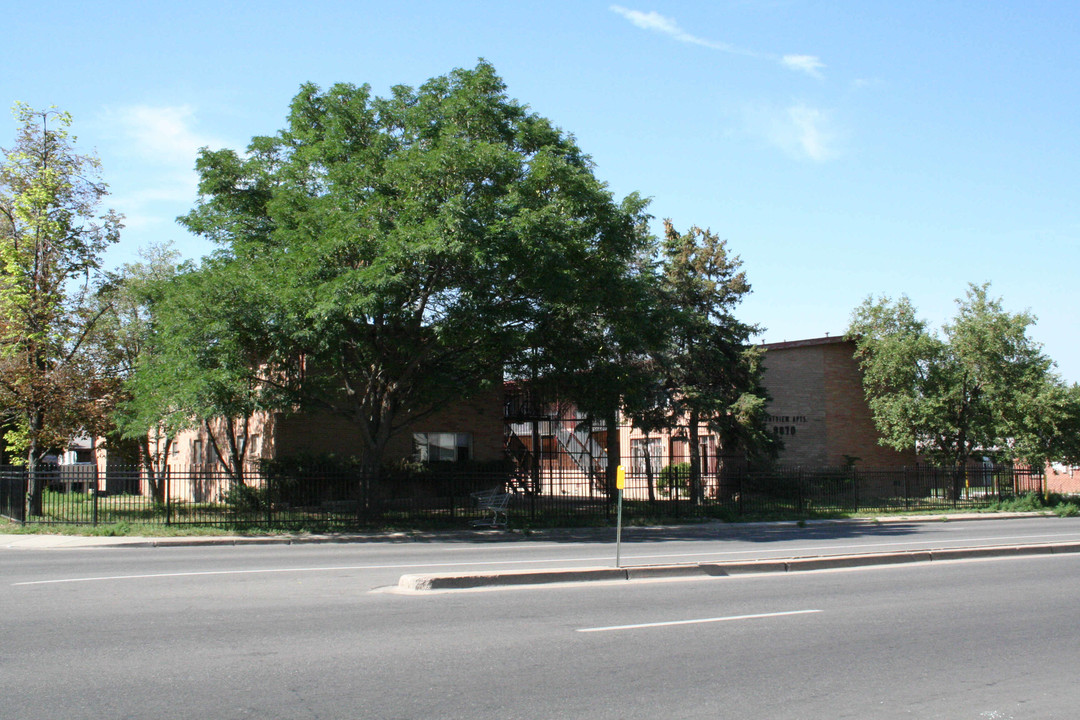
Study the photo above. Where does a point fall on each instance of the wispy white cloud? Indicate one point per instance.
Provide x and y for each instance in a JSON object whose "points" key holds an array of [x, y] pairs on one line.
{"points": [[158, 146], [655, 22], [809, 64], [163, 135], [812, 132], [799, 130]]}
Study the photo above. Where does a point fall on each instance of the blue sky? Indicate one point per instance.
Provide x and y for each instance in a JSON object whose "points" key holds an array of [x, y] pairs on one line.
{"points": [[842, 148]]}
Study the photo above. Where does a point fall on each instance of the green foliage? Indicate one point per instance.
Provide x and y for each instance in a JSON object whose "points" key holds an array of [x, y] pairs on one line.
{"points": [[410, 248], [984, 387], [674, 480], [706, 371], [1060, 505], [51, 242], [1069, 509], [124, 337], [203, 360], [246, 500]]}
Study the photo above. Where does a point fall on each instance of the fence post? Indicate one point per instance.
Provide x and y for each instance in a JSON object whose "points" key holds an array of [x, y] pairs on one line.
{"points": [[855, 480], [742, 491], [268, 493], [799, 485], [94, 496], [168, 494], [453, 494]]}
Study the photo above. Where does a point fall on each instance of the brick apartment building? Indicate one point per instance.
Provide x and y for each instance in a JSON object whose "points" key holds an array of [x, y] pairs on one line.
{"points": [[469, 430], [818, 408]]}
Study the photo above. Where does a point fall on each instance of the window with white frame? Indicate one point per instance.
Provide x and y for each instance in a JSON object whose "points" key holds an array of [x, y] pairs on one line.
{"points": [[442, 446]]}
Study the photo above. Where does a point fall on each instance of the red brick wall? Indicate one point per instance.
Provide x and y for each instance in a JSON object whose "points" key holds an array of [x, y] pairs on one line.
{"points": [[1063, 479]]}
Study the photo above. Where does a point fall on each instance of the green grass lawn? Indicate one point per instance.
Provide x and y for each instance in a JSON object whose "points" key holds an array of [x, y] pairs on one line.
{"points": [[71, 513]]}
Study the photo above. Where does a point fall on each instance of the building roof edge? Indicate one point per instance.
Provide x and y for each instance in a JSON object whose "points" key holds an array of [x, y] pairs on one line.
{"points": [[827, 340]]}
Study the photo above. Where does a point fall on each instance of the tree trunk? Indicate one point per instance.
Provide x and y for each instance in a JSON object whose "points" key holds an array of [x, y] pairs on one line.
{"points": [[155, 469], [696, 493], [35, 485], [649, 472]]}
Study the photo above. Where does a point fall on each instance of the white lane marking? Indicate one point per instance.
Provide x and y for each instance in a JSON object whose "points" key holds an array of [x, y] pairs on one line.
{"points": [[199, 573], [695, 622], [747, 555]]}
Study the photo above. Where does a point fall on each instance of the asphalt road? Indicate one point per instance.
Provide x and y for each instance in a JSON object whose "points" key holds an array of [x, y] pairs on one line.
{"points": [[305, 632]]}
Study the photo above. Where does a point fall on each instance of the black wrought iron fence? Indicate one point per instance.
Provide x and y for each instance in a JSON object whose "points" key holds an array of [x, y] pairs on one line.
{"points": [[344, 497], [13, 493]]}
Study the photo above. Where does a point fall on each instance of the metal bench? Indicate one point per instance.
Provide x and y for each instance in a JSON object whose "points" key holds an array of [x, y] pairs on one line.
{"points": [[493, 501]]}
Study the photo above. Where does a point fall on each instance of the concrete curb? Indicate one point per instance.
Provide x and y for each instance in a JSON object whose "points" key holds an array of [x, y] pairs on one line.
{"points": [[422, 582]]}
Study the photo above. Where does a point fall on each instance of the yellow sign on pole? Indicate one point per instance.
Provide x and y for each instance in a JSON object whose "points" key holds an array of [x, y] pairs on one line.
{"points": [[620, 483]]}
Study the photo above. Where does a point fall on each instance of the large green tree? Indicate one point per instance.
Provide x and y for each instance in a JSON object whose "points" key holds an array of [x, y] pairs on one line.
{"points": [[415, 246], [124, 339], [202, 363], [981, 387], [52, 236], [592, 352], [709, 372]]}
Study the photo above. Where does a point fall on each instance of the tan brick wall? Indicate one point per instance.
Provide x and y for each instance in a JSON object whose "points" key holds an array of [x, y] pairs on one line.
{"points": [[849, 423], [184, 445], [794, 378], [818, 408]]}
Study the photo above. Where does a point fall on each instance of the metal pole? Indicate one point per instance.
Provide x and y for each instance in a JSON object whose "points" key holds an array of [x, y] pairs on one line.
{"points": [[620, 482]]}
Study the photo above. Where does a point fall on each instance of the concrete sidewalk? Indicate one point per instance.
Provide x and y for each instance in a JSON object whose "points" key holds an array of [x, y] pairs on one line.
{"points": [[46, 541]]}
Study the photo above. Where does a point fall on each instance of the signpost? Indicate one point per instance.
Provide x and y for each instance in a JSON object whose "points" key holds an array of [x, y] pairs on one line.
{"points": [[620, 483]]}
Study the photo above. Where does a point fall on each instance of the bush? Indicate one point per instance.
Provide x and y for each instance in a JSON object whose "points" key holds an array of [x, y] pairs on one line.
{"points": [[1067, 510], [674, 480], [244, 499]]}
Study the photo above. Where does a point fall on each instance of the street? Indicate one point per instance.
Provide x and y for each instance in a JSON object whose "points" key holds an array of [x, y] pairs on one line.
{"points": [[309, 631]]}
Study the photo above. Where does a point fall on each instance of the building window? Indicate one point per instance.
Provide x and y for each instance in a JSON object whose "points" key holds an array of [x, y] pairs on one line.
{"points": [[196, 452], [653, 448], [442, 447], [707, 451]]}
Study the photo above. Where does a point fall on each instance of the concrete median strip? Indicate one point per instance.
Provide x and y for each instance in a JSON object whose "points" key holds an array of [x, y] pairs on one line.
{"points": [[421, 582], [461, 581]]}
